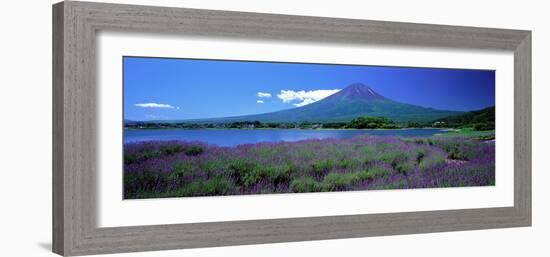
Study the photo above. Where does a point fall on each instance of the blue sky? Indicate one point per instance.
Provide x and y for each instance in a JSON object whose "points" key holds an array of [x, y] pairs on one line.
{"points": [[173, 89]]}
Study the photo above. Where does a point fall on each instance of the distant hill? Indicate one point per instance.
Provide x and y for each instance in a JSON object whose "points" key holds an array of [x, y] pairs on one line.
{"points": [[354, 101], [483, 119]]}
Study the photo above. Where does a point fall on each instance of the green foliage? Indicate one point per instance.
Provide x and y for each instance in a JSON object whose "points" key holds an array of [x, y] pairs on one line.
{"points": [[372, 123], [482, 135], [171, 149], [377, 171], [306, 184], [395, 159], [339, 181], [192, 189], [456, 149], [401, 161], [249, 173], [183, 168], [130, 158], [213, 166], [484, 126], [347, 163], [321, 166], [418, 124], [194, 150], [245, 124], [141, 156], [274, 174], [456, 154], [266, 152], [242, 170], [335, 125], [363, 175], [480, 120], [241, 166], [420, 154], [145, 181], [373, 153], [393, 185], [431, 161], [215, 186], [218, 186], [419, 141], [404, 167]]}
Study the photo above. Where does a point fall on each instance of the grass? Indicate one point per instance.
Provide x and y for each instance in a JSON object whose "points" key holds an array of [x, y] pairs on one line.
{"points": [[471, 133]]}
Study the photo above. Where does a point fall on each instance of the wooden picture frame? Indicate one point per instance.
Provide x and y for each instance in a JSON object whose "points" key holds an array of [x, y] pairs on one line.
{"points": [[75, 25]]}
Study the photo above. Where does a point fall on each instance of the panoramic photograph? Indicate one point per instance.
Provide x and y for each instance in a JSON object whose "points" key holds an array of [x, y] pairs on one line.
{"points": [[199, 127]]}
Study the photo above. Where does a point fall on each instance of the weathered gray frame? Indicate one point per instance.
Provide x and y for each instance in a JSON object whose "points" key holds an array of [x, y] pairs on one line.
{"points": [[74, 130]]}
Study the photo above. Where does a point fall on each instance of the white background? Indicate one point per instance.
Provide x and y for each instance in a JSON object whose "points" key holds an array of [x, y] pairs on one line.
{"points": [[25, 109]]}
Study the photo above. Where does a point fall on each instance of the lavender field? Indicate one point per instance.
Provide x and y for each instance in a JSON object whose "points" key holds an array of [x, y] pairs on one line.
{"points": [[156, 169]]}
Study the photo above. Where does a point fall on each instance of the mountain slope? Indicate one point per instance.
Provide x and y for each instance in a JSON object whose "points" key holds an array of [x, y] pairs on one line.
{"points": [[351, 102], [483, 119]]}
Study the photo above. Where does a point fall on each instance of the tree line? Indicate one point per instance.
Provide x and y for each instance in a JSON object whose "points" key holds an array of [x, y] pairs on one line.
{"points": [[358, 123], [478, 120]]}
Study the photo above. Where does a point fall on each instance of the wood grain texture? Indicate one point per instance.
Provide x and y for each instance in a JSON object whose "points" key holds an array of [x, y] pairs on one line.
{"points": [[75, 25], [58, 193], [522, 128]]}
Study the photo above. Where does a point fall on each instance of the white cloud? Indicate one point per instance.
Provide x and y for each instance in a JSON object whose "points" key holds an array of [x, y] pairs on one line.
{"points": [[304, 97], [260, 101], [156, 105], [264, 95]]}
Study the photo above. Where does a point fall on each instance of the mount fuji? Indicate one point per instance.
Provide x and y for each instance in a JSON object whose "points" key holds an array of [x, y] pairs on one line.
{"points": [[354, 101]]}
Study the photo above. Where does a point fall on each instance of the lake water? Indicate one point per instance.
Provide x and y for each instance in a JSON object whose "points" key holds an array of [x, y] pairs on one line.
{"points": [[233, 137]]}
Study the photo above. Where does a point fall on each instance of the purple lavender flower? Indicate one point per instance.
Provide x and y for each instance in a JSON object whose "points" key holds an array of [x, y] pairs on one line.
{"points": [[177, 168]]}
